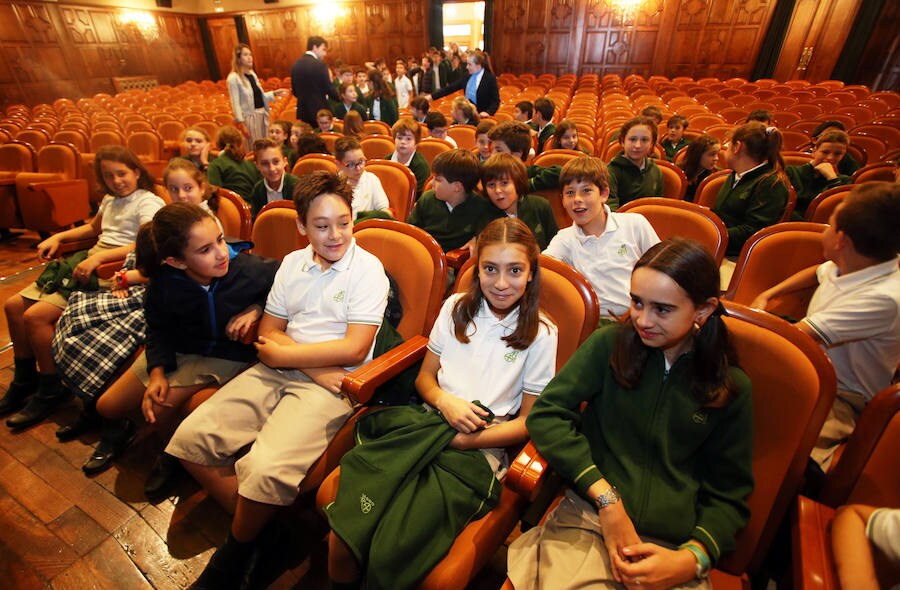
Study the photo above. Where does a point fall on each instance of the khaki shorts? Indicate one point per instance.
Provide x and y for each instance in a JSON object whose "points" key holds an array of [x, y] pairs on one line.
{"points": [[193, 369], [838, 427], [567, 551], [286, 418]]}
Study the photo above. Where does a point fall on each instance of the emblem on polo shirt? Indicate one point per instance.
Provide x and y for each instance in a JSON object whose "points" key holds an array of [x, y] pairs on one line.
{"points": [[366, 504], [623, 250], [510, 356], [339, 296], [699, 417]]}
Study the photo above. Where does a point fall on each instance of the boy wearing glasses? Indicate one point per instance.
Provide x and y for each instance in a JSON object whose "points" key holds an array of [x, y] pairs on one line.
{"points": [[368, 194]]}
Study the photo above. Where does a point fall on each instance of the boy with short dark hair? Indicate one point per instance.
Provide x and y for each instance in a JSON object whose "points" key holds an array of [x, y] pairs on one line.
{"points": [[543, 120], [482, 141], [512, 137], [675, 139], [848, 165], [761, 115], [320, 321], [452, 212], [436, 123], [602, 245], [407, 135], [523, 112], [505, 182], [276, 184], [654, 112], [822, 172], [854, 313], [418, 108]]}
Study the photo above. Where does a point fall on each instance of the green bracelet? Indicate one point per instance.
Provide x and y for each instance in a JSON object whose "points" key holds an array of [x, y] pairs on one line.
{"points": [[703, 562]]}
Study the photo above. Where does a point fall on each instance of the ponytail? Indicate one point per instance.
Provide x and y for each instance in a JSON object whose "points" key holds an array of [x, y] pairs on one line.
{"points": [[146, 258], [713, 354], [762, 144]]}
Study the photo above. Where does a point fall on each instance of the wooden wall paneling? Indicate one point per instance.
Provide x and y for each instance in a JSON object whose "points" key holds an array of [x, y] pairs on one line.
{"points": [[393, 29], [719, 38], [819, 28], [612, 46], [277, 38], [879, 66], [223, 34]]}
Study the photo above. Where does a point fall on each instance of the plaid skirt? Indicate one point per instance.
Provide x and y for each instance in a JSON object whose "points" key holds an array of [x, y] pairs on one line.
{"points": [[95, 336]]}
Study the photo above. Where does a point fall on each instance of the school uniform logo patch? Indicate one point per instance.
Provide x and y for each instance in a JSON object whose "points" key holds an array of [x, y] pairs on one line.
{"points": [[510, 356], [366, 504], [339, 296], [699, 417], [622, 251]]}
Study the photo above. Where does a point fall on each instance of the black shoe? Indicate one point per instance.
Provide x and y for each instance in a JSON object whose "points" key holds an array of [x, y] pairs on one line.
{"points": [[109, 448], [85, 422], [15, 397], [164, 474], [226, 569], [38, 408]]}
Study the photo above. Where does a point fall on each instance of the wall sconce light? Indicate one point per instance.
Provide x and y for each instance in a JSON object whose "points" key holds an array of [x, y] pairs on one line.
{"points": [[144, 22]]}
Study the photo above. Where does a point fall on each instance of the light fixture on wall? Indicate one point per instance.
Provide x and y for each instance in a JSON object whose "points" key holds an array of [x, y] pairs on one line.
{"points": [[144, 22], [627, 10], [324, 16], [217, 6]]}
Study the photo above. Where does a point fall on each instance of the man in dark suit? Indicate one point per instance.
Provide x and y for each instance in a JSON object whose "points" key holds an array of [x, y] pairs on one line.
{"points": [[480, 86], [310, 81]]}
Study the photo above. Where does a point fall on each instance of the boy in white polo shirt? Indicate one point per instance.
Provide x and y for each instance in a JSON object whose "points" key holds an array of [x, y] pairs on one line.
{"points": [[602, 245], [368, 193], [855, 312], [320, 321]]}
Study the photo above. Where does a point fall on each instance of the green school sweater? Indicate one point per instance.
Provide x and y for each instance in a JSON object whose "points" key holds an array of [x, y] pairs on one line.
{"points": [[809, 183], [239, 177], [390, 112], [627, 182], [756, 202], [542, 177], [671, 149], [420, 169], [683, 471], [536, 213], [259, 198], [452, 229]]}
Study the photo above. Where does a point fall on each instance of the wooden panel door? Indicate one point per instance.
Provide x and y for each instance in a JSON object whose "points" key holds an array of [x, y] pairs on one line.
{"points": [[223, 33], [815, 37]]}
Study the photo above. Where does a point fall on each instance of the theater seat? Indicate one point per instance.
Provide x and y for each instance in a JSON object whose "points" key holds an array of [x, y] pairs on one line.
{"points": [[275, 232], [312, 162], [866, 473], [377, 146], [431, 147], [770, 256], [399, 184], [820, 208], [568, 299], [54, 197], [801, 385], [234, 214], [671, 217]]}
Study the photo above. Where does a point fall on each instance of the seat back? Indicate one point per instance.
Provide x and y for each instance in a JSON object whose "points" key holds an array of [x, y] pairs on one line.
{"points": [[820, 209], [147, 145], [674, 180], [36, 138], [671, 217], [771, 255], [430, 147], [17, 156], [874, 147], [73, 136], [556, 157], [104, 138], [415, 261], [330, 138], [877, 171], [708, 190], [60, 158], [792, 139], [376, 128], [802, 385], [275, 232], [866, 472], [234, 214], [312, 162], [170, 130], [399, 184], [463, 135], [377, 146], [566, 297]]}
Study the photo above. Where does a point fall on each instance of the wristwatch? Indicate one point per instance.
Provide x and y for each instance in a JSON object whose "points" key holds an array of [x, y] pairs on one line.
{"points": [[607, 498]]}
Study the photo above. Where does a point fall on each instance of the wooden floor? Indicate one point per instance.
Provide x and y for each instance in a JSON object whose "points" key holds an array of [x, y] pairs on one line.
{"points": [[62, 529]]}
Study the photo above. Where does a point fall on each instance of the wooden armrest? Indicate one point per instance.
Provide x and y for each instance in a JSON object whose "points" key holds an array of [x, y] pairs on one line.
{"points": [[813, 562], [43, 185], [360, 384], [527, 472], [456, 258]]}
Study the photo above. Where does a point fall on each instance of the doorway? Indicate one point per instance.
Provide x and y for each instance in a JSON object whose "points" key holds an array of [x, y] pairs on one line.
{"points": [[464, 24]]}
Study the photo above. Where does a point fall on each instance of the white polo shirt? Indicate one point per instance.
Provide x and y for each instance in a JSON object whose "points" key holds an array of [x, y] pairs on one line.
{"points": [[606, 260], [369, 195], [122, 217], [319, 304], [486, 369], [277, 193], [858, 317]]}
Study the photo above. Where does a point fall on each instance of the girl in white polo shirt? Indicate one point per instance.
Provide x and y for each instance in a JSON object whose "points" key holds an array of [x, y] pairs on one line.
{"points": [[489, 356]]}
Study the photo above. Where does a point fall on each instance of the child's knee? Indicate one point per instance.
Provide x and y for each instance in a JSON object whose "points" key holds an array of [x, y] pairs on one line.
{"points": [[14, 307], [41, 315]]}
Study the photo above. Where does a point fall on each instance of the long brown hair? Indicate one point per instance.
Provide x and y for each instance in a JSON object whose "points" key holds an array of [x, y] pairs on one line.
{"points": [[122, 155], [506, 230], [694, 153], [210, 195], [762, 144], [167, 235], [693, 269]]}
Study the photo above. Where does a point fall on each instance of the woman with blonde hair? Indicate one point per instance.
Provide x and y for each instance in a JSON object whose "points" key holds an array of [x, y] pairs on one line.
{"points": [[248, 100]]}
